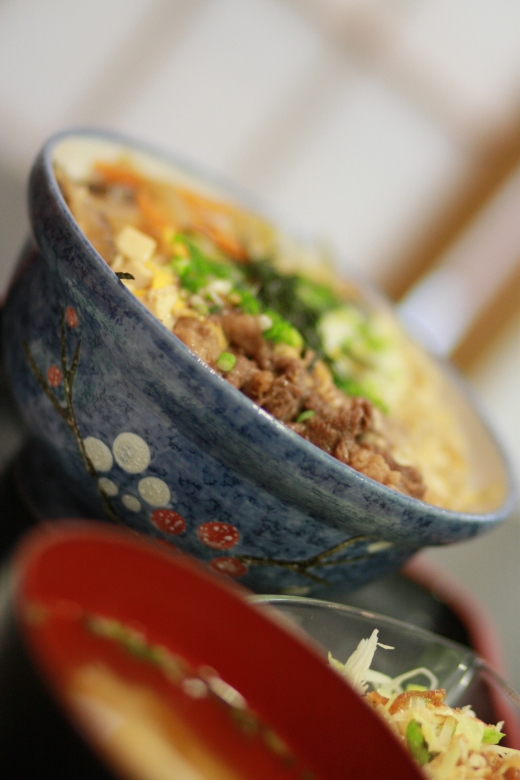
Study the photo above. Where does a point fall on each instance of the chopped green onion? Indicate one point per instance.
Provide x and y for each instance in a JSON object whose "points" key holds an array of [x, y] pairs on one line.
{"points": [[226, 361], [281, 292], [197, 270], [317, 298], [353, 388], [180, 265], [491, 736], [246, 301], [307, 415], [416, 743], [201, 308], [282, 332], [415, 687]]}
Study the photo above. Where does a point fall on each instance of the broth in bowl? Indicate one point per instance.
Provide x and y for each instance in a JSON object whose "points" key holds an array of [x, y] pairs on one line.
{"points": [[154, 715]]}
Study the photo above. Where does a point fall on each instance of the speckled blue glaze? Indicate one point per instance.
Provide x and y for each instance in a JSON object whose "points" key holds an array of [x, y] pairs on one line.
{"points": [[222, 458]]}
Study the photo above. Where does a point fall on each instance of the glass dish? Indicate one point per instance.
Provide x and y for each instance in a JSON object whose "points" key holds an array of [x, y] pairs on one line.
{"points": [[466, 678]]}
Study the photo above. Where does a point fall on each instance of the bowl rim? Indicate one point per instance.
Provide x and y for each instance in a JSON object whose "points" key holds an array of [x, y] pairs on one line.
{"points": [[385, 620], [454, 520]]}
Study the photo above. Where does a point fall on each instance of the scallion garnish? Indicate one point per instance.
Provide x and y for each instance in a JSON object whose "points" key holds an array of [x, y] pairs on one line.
{"points": [[308, 414], [226, 361], [416, 743]]}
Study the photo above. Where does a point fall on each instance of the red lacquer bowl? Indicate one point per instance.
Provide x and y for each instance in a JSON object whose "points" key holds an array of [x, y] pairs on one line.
{"points": [[125, 638]]}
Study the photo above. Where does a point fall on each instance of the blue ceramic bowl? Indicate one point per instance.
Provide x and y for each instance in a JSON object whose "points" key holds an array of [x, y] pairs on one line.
{"points": [[129, 426]]}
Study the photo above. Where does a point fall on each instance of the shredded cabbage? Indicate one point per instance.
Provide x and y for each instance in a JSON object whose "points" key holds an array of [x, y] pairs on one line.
{"points": [[357, 669], [447, 743]]}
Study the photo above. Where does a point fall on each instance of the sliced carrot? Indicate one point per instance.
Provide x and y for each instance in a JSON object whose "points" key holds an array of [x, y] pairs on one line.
{"points": [[228, 244], [202, 202], [155, 216], [118, 173]]}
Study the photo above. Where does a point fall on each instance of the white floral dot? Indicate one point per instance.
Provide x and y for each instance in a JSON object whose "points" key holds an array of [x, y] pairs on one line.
{"points": [[378, 546], [108, 487], [154, 491], [131, 502], [98, 453], [131, 452]]}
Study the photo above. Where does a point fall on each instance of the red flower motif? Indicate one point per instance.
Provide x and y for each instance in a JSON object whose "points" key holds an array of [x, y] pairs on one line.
{"points": [[54, 376], [230, 566], [219, 536], [168, 521], [71, 318]]}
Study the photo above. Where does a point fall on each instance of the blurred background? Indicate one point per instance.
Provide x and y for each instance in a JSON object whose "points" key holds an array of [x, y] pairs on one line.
{"points": [[389, 127]]}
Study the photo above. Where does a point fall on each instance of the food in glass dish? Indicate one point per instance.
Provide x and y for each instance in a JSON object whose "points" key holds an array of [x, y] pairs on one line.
{"points": [[271, 318], [448, 743]]}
